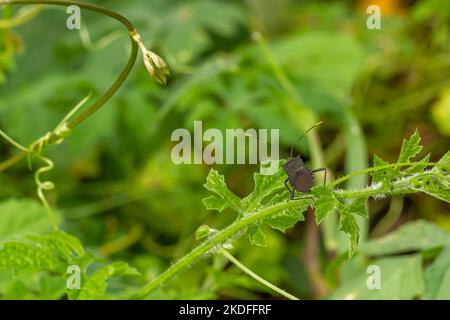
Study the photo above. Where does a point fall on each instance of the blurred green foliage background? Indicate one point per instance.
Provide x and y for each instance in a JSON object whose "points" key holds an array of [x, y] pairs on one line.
{"points": [[116, 187]]}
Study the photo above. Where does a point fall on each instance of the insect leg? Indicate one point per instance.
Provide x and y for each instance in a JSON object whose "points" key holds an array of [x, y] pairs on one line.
{"points": [[286, 184], [324, 176]]}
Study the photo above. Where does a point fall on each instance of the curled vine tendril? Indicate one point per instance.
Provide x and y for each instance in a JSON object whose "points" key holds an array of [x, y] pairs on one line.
{"points": [[156, 66], [37, 148]]}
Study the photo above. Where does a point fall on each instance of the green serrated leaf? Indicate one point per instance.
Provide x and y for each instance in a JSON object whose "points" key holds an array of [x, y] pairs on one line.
{"points": [[419, 166], [215, 203], [94, 286], [257, 236], [348, 224], [359, 207], [226, 199], [410, 148], [383, 175], [285, 220], [435, 185], [265, 185], [325, 204], [443, 165]]}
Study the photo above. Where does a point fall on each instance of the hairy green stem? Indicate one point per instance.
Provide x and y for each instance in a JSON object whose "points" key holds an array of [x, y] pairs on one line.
{"points": [[210, 245], [113, 88], [238, 226], [369, 170], [230, 257]]}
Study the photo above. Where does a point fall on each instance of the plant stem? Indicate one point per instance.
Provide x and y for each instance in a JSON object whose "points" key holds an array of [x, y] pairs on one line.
{"points": [[230, 257], [21, 18], [210, 245], [373, 169], [234, 229], [113, 88], [313, 139]]}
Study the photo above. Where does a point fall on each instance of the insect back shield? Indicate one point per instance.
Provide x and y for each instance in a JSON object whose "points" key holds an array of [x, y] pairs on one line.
{"points": [[300, 177], [235, 146]]}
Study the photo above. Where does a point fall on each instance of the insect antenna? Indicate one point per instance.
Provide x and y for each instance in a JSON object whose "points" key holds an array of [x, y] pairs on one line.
{"points": [[316, 125]]}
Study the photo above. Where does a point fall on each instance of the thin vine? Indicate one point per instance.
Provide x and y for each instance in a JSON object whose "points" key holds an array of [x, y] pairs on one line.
{"points": [[155, 65]]}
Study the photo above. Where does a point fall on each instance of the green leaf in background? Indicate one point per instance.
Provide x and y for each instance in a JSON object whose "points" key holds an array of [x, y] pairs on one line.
{"points": [[437, 277], [20, 217], [414, 236], [441, 112], [328, 60], [34, 253], [401, 278], [94, 286]]}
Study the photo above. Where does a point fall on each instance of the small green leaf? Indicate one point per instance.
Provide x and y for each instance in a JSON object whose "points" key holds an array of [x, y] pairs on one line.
{"points": [[432, 184], [257, 236], [410, 148], [383, 175], [226, 199], [347, 224], [325, 204], [419, 166], [265, 185], [203, 231], [444, 164], [94, 286], [215, 203], [289, 217], [359, 207], [285, 220]]}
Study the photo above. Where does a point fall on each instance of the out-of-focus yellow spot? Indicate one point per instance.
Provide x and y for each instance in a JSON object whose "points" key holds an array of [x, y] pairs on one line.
{"points": [[390, 7], [350, 296], [441, 112]]}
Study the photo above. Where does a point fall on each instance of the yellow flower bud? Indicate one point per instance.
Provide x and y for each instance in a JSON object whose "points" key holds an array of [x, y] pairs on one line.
{"points": [[156, 66]]}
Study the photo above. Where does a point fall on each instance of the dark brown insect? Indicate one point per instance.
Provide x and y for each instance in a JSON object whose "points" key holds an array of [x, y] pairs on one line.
{"points": [[300, 177]]}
